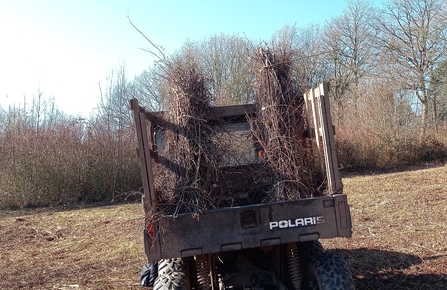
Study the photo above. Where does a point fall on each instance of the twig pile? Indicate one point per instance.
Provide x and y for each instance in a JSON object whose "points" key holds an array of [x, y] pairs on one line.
{"points": [[201, 167], [280, 127], [188, 182]]}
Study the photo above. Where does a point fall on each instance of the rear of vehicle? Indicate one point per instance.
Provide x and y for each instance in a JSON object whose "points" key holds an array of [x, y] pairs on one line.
{"points": [[249, 241]]}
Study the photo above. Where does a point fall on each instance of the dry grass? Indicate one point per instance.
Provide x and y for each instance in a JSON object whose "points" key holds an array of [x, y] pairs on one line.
{"points": [[399, 239], [400, 230], [90, 248]]}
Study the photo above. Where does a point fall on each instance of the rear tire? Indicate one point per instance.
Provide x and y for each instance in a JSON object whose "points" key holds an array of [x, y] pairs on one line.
{"points": [[148, 274], [309, 250], [329, 272], [172, 275]]}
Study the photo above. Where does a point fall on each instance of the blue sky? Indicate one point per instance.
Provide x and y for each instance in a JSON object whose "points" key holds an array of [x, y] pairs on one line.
{"points": [[66, 48]]}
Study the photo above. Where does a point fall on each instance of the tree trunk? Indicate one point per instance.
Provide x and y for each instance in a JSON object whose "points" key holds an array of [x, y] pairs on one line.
{"points": [[424, 119]]}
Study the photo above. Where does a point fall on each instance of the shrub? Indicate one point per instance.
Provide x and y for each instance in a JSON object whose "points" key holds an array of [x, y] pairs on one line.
{"points": [[63, 161]]}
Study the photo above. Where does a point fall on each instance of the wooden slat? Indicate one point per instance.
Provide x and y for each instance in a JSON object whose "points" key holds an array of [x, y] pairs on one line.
{"points": [[144, 152], [317, 126], [320, 121], [328, 140]]}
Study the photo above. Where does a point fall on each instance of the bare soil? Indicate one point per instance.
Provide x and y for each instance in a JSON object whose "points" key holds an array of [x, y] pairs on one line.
{"points": [[399, 238]]}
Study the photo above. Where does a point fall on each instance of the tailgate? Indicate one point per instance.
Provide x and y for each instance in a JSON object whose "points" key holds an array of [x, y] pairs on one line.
{"points": [[251, 226]]}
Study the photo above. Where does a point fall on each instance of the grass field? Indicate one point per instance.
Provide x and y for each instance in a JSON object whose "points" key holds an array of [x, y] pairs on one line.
{"points": [[399, 230], [399, 238]]}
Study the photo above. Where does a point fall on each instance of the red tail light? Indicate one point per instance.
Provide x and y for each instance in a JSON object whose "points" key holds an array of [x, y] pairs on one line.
{"points": [[150, 233]]}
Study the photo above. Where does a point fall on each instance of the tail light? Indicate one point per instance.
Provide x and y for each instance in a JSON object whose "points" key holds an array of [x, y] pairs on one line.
{"points": [[150, 234]]}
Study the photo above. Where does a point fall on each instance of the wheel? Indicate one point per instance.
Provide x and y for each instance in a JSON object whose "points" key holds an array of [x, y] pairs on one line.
{"points": [[172, 275], [309, 250], [329, 272], [148, 274]]}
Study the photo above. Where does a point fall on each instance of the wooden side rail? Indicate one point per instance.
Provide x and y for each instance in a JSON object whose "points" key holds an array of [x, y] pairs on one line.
{"points": [[144, 150], [320, 121]]}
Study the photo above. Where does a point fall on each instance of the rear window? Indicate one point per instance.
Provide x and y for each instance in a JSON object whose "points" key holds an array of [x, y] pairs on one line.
{"points": [[234, 142]]}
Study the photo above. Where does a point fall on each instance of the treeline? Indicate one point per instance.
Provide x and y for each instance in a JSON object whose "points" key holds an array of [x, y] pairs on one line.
{"points": [[387, 69], [47, 157]]}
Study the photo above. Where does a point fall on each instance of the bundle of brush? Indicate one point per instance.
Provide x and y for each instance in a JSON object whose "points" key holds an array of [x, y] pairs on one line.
{"points": [[185, 182], [280, 127]]}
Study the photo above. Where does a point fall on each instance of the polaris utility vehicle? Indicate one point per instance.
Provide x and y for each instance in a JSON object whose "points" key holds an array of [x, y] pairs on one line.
{"points": [[271, 245]]}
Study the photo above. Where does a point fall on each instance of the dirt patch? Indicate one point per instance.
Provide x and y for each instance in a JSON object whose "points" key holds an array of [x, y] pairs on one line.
{"points": [[399, 239]]}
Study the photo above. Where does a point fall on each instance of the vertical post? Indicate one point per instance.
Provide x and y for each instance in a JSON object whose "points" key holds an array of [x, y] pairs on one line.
{"points": [[327, 132], [316, 122], [144, 152]]}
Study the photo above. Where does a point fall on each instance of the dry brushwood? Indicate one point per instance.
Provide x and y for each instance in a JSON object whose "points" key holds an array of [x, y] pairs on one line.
{"points": [[192, 177], [184, 184], [280, 127]]}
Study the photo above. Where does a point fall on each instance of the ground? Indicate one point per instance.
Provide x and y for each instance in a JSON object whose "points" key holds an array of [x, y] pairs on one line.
{"points": [[399, 238]]}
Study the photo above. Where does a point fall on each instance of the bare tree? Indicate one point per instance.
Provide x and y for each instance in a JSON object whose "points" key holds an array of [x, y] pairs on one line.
{"points": [[115, 96], [349, 42], [306, 46], [413, 34], [438, 91], [149, 87], [225, 61]]}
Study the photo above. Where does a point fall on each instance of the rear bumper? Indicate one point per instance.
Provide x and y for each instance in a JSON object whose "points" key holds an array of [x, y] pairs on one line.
{"points": [[250, 226]]}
